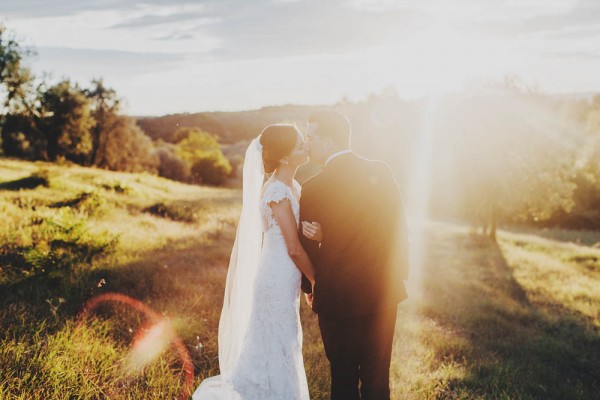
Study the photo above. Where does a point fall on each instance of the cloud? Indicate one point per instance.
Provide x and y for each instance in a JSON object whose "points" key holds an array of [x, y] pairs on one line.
{"points": [[86, 64], [576, 32], [44, 9], [56, 8], [152, 20], [308, 27], [176, 36], [525, 19], [233, 29], [93, 30], [585, 13], [591, 55], [256, 52]]}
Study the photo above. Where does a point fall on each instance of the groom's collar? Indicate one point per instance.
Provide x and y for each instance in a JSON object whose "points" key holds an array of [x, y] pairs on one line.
{"points": [[334, 155]]}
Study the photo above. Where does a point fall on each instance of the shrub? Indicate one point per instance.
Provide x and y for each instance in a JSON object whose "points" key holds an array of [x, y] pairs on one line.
{"points": [[171, 166], [211, 171], [125, 147], [203, 153], [89, 203], [174, 212]]}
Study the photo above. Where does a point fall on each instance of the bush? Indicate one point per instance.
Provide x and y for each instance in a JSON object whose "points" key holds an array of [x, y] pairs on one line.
{"points": [[89, 203], [116, 186], [125, 147], [203, 153], [22, 138], [171, 166], [174, 212], [211, 171]]}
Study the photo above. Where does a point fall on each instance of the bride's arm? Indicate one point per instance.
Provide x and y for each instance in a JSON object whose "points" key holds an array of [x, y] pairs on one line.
{"points": [[283, 214]]}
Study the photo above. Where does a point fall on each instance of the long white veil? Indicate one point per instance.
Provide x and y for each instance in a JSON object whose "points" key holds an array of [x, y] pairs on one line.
{"points": [[239, 287]]}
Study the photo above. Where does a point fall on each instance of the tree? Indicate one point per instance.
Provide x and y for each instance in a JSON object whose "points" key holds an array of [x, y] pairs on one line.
{"points": [[67, 122], [14, 77], [19, 134], [22, 138], [514, 157], [183, 133], [586, 212], [204, 156], [105, 107], [125, 147]]}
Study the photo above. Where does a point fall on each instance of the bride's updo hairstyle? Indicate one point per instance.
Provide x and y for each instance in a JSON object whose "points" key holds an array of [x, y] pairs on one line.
{"points": [[277, 140]]}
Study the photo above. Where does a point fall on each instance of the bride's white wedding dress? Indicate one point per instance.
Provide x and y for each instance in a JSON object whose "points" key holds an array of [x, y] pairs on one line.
{"points": [[270, 364]]}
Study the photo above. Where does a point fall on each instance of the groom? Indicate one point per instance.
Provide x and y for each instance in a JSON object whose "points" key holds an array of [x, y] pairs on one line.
{"points": [[361, 262]]}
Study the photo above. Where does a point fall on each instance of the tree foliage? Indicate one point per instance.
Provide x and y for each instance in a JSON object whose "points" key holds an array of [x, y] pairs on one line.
{"points": [[105, 108], [512, 157], [17, 132], [125, 147], [170, 165], [22, 137], [15, 78], [204, 156], [67, 122]]}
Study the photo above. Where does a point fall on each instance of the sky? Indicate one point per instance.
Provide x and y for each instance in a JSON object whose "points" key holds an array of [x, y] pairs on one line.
{"points": [[171, 56]]}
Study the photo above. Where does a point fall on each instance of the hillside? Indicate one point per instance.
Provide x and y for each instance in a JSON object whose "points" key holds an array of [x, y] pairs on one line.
{"points": [[519, 319], [230, 127], [92, 232]]}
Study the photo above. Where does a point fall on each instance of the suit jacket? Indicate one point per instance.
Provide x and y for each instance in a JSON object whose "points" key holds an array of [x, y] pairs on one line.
{"points": [[362, 261]]}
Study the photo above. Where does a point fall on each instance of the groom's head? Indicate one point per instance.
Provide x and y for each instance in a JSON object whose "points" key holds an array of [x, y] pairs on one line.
{"points": [[327, 133]]}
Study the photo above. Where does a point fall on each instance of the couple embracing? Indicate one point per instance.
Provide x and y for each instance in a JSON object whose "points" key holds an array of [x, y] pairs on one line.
{"points": [[340, 238]]}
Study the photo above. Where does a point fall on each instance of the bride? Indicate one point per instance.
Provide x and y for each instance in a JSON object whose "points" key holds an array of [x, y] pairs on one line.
{"points": [[260, 337]]}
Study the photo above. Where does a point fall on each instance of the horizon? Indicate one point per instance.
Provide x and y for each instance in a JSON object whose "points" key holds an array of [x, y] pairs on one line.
{"points": [[171, 57], [578, 95]]}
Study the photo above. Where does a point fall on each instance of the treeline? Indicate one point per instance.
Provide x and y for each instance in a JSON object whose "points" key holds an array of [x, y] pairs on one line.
{"points": [[230, 127], [500, 153], [64, 122]]}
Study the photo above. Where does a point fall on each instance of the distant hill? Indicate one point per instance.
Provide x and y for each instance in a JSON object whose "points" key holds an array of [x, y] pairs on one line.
{"points": [[230, 127], [382, 127]]}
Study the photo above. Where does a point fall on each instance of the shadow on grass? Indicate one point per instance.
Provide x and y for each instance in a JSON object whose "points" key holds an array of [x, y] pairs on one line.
{"points": [[506, 347], [183, 281], [30, 182]]}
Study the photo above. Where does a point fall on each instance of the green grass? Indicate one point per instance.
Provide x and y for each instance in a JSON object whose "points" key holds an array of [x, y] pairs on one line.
{"points": [[514, 320], [91, 232]]}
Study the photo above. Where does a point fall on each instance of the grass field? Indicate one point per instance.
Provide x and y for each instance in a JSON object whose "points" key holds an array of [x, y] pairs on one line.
{"points": [[514, 320]]}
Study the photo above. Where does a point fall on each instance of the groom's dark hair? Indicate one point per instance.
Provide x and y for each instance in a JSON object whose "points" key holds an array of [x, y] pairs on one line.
{"points": [[334, 125]]}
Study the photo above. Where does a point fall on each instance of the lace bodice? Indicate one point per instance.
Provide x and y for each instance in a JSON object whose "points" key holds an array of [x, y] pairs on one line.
{"points": [[276, 191]]}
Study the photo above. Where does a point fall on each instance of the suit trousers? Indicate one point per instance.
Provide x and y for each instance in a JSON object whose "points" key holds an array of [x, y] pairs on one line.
{"points": [[359, 349]]}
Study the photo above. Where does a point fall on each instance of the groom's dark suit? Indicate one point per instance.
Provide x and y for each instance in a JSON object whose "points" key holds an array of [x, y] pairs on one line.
{"points": [[360, 267]]}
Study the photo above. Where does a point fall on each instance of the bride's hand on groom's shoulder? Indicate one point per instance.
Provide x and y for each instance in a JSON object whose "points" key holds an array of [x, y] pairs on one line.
{"points": [[312, 230]]}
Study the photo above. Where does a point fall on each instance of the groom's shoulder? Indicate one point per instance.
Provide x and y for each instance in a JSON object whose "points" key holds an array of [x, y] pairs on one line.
{"points": [[377, 166]]}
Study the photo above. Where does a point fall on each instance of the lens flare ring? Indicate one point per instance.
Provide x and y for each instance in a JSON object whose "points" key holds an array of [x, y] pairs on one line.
{"points": [[157, 329]]}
